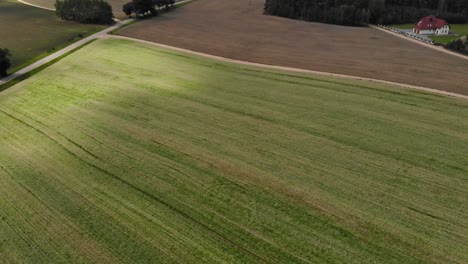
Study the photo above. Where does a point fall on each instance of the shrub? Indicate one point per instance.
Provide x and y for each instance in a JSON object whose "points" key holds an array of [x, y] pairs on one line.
{"points": [[4, 62]]}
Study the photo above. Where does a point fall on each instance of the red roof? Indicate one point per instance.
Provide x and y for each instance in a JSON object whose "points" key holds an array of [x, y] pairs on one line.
{"points": [[430, 23]]}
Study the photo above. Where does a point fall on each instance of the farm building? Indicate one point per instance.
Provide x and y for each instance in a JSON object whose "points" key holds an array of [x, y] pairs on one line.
{"points": [[432, 25]]}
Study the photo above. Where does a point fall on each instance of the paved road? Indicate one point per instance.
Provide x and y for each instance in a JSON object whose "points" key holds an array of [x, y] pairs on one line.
{"points": [[63, 51]]}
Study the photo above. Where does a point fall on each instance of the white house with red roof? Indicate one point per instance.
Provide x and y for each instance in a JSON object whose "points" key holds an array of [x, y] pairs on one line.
{"points": [[432, 25]]}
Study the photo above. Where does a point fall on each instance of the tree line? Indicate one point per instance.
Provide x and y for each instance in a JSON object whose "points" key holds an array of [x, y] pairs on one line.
{"points": [[85, 11], [362, 12], [143, 8]]}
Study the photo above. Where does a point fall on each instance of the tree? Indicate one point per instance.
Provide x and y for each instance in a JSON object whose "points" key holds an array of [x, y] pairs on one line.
{"points": [[143, 8], [4, 62], [85, 11], [128, 8], [376, 9], [164, 3], [457, 45]]}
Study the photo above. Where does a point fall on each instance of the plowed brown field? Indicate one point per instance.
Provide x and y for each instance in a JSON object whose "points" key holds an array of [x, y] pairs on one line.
{"points": [[239, 30]]}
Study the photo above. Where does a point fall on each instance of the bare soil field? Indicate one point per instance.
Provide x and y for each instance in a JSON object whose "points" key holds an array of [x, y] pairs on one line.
{"points": [[239, 30]]}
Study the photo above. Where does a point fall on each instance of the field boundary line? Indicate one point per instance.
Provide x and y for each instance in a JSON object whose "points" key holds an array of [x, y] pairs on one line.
{"points": [[438, 48], [41, 7], [290, 69]]}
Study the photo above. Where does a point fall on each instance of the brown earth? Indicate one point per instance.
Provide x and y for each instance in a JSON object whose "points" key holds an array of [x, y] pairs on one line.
{"points": [[239, 30]]}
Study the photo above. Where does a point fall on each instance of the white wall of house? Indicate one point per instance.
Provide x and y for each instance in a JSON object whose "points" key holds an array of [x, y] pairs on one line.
{"points": [[443, 31], [427, 32]]}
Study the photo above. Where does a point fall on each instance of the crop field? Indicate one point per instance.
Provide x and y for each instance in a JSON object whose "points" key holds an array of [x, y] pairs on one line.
{"points": [[238, 29], [148, 155], [29, 32]]}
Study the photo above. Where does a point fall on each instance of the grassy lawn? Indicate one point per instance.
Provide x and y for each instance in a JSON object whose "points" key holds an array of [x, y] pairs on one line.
{"points": [[31, 32], [460, 29], [125, 153]]}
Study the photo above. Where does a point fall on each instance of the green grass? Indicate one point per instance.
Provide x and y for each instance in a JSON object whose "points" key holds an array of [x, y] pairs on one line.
{"points": [[32, 33], [122, 152], [460, 29]]}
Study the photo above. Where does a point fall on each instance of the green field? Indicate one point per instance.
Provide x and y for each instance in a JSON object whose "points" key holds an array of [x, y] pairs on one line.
{"points": [[29, 32], [125, 153], [460, 29]]}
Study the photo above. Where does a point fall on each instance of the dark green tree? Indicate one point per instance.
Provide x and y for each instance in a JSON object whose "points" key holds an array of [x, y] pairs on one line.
{"points": [[4, 62], [85, 11], [143, 7], [128, 8]]}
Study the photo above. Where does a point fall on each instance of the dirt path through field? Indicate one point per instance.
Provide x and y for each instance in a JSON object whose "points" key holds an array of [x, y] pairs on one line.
{"points": [[239, 30]]}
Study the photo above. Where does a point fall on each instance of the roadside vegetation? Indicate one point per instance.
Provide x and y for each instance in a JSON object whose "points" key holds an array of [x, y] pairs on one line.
{"points": [[31, 33], [5, 62], [459, 45], [148, 155], [145, 8]]}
